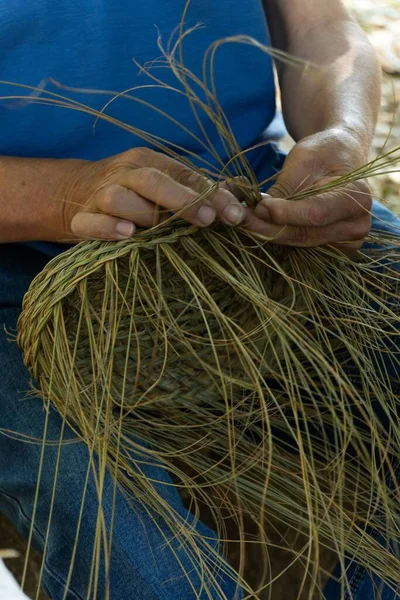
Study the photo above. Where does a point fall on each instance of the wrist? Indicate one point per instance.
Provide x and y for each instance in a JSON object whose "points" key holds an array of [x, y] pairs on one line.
{"points": [[59, 202], [33, 195], [71, 197], [358, 137], [350, 144]]}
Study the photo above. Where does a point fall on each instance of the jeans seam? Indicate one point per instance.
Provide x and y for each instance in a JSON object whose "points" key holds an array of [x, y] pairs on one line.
{"points": [[47, 566]]}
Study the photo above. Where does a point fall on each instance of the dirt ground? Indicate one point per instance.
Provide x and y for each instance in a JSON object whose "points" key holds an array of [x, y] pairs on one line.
{"points": [[381, 20]]}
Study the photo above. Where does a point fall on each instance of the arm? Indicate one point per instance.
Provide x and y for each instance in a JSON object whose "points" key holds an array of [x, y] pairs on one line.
{"points": [[330, 108], [343, 92], [69, 200], [31, 198]]}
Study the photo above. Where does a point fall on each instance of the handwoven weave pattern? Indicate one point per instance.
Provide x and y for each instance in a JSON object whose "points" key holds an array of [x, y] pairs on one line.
{"points": [[247, 373]]}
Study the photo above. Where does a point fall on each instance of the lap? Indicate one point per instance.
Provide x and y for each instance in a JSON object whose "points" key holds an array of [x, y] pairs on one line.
{"points": [[143, 563]]}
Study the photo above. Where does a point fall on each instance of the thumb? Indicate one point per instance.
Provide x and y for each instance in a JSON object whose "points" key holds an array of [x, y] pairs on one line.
{"points": [[319, 206], [289, 181]]}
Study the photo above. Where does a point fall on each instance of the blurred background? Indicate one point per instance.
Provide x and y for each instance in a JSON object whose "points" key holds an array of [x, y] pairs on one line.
{"points": [[381, 20]]}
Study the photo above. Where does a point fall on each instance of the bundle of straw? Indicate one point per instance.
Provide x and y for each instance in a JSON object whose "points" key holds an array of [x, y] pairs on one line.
{"points": [[264, 378]]}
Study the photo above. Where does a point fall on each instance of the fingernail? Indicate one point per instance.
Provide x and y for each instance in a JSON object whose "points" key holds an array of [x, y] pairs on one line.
{"points": [[233, 214], [206, 214], [125, 229]]}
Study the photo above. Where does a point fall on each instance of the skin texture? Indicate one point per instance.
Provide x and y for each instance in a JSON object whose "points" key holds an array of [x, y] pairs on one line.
{"points": [[139, 188], [330, 109], [69, 200]]}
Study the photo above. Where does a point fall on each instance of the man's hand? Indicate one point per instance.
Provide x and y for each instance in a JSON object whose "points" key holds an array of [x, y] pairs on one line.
{"points": [[109, 198], [340, 218], [330, 108]]}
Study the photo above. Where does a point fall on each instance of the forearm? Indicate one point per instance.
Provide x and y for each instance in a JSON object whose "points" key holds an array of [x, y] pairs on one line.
{"points": [[342, 91], [340, 87], [31, 198]]}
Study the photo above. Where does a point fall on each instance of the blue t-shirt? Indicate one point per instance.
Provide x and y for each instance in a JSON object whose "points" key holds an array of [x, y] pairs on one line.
{"points": [[91, 44]]}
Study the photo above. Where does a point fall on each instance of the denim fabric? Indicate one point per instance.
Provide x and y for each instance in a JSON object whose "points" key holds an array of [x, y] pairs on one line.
{"points": [[361, 585], [142, 565]]}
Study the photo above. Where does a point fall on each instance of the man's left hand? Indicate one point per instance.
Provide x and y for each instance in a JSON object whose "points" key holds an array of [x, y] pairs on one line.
{"points": [[340, 217]]}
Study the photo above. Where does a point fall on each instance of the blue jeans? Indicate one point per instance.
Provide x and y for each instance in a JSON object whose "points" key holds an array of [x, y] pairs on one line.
{"points": [[142, 565]]}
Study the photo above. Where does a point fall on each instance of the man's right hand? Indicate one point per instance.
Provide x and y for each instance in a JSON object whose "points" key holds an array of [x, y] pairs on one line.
{"points": [[109, 198]]}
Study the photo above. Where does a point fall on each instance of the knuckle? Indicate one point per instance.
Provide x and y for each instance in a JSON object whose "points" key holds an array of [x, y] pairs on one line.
{"points": [[76, 226], [300, 236], [361, 229], [150, 178], [361, 193], [277, 213], [181, 175], [138, 156], [283, 189], [186, 177], [239, 186], [317, 215], [107, 198], [365, 195]]}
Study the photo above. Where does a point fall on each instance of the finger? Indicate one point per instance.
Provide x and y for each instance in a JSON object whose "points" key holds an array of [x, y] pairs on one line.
{"points": [[157, 187], [295, 178], [239, 186], [96, 226], [227, 207], [349, 248], [225, 200], [344, 231], [317, 211], [118, 201]]}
